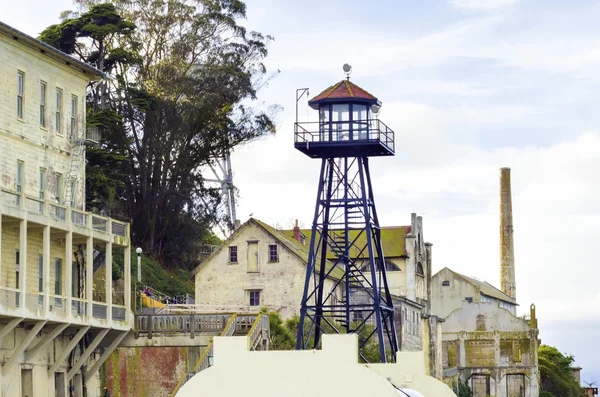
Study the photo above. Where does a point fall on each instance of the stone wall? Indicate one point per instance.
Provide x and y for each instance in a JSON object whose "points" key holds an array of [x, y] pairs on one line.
{"points": [[145, 372]]}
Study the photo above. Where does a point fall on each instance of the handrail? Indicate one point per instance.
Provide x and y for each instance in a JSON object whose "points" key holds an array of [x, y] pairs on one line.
{"points": [[252, 331], [205, 355]]}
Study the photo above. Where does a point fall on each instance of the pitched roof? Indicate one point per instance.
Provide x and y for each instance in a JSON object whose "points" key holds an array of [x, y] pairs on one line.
{"points": [[50, 51], [344, 89], [486, 288], [297, 248], [392, 240]]}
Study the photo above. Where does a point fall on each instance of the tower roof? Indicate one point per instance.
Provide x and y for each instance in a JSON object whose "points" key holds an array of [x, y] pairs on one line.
{"points": [[343, 91]]}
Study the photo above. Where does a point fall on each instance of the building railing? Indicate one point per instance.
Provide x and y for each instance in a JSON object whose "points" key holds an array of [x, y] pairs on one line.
{"points": [[34, 301], [99, 310], [58, 304], [59, 212], [9, 297], [373, 130], [78, 307], [99, 223], [180, 323], [78, 218], [119, 313]]}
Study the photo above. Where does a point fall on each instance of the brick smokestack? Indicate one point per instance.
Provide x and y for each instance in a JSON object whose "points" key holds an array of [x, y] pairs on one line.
{"points": [[297, 233], [507, 253]]}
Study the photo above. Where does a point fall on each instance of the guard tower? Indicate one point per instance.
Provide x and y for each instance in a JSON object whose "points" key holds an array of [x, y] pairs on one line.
{"points": [[345, 223]]}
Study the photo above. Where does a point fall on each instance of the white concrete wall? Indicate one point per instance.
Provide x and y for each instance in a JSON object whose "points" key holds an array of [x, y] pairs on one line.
{"points": [[221, 285], [332, 371]]}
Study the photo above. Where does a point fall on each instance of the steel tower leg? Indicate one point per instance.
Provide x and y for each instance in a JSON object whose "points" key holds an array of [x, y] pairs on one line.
{"points": [[345, 247]]}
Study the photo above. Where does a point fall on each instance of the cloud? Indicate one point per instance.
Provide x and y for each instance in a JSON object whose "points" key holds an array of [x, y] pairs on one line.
{"points": [[481, 5]]}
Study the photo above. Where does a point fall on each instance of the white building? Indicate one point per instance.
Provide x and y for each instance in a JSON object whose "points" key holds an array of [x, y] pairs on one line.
{"points": [[53, 317]]}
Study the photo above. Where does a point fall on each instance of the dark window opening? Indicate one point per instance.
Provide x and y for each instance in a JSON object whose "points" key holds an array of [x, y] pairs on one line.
{"points": [[445, 283], [469, 299], [254, 298], [420, 269], [233, 257], [273, 253]]}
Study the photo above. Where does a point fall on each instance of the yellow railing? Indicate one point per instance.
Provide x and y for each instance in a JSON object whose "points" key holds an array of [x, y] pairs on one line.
{"points": [[205, 356]]}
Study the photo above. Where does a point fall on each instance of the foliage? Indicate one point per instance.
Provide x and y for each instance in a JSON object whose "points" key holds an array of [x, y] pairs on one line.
{"points": [[555, 373], [284, 336], [546, 394], [186, 75], [462, 389], [174, 282]]}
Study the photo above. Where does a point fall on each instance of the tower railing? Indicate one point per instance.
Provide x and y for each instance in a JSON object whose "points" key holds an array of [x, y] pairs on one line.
{"points": [[371, 130]]}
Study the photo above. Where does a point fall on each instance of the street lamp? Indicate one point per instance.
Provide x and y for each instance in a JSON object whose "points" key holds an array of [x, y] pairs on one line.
{"points": [[138, 250]]}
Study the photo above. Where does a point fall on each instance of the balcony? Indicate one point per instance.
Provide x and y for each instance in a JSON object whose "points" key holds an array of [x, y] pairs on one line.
{"points": [[344, 139], [58, 216]]}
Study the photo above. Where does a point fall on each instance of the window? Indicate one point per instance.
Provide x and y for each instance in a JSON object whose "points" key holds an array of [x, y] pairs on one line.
{"points": [[19, 180], [254, 298], [41, 273], [58, 187], [445, 283], [420, 269], [20, 93], [43, 104], [42, 188], [41, 279], [73, 116], [58, 115], [469, 299], [273, 253], [57, 276], [17, 267], [233, 257]]}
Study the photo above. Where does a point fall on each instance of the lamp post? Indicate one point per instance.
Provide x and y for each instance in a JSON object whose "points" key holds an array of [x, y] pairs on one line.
{"points": [[138, 280]]}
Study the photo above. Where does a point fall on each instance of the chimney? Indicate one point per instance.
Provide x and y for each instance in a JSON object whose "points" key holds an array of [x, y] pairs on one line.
{"points": [[238, 223], [297, 233], [507, 254]]}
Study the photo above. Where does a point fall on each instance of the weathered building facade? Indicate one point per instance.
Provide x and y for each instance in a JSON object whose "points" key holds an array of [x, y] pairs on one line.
{"points": [[260, 266], [53, 317], [256, 267], [485, 344]]}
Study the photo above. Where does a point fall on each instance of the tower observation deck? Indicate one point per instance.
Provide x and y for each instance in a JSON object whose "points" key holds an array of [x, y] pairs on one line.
{"points": [[345, 223]]}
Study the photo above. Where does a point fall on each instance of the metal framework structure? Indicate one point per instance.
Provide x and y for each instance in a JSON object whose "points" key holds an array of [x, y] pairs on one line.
{"points": [[345, 242], [223, 180]]}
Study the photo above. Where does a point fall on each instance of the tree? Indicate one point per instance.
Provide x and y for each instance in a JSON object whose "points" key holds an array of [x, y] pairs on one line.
{"points": [[283, 336], [555, 373], [186, 79]]}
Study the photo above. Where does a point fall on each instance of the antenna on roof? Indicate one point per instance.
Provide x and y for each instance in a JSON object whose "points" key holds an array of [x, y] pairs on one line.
{"points": [[347, 69]]}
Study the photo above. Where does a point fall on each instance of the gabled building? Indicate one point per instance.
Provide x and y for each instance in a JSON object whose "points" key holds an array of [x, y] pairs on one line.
{"points": [[54, 312], [257, 266], [453, 288]]}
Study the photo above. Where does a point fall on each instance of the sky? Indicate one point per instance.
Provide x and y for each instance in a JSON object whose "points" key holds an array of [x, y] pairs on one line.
{"points": [[468, 86]]}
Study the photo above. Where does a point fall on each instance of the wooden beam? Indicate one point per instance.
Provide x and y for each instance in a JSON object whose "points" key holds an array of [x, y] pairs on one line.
{"points": [[29, 353]]}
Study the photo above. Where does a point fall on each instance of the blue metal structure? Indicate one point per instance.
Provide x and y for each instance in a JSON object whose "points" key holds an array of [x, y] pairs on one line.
{"points": [[345, 242]]}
